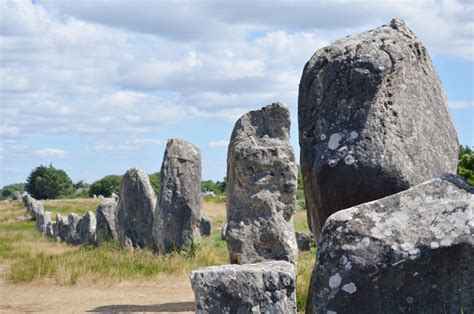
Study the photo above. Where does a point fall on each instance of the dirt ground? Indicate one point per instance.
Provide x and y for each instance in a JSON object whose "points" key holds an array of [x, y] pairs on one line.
{"points": [[165, 295]]}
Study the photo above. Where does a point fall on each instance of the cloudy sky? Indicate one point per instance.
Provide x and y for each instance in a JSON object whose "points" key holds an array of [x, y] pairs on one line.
{"points": [[97, 87]]}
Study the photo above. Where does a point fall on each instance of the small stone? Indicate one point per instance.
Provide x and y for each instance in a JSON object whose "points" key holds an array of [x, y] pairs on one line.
{"points": [[205, 226]]}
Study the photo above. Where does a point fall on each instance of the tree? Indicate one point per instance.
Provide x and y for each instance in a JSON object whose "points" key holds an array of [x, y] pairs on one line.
{"points": [[106, 186], [155, 181], [466, 164], [7, 191], [48, 183]]}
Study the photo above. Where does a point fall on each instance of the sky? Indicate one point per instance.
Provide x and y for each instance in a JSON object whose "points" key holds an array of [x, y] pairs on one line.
{"points": [[97, 87]]}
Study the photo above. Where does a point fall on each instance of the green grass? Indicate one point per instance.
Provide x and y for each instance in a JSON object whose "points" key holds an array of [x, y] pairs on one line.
{"points": [[65, 207]]}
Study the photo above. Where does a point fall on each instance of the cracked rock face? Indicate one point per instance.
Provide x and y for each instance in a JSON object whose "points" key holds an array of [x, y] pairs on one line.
{"points": [[106, 216], [373, 121], [261, 188], [267, 287], [179, 206], [135, 210], [409, 252]]}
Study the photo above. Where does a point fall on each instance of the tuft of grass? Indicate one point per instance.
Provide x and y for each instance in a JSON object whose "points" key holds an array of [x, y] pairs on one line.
{"points": [[305, 266]]}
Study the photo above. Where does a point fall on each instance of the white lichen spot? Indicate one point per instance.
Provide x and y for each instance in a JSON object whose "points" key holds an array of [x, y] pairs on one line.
{"points": [[415, 274], [332, 162], [354, 135], [331, 312], [339, 229], [365, 241], [348, 266], [410, 300], [335, 281], [334, 140], [434, 245], [322, 137], [349, 160], [343, 260], [349, 288]]}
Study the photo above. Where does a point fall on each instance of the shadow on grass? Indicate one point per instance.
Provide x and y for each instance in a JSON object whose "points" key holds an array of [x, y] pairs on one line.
{"points": [[165, 307]]}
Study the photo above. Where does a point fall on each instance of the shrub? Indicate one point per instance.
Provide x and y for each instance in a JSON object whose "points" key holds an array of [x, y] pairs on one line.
{"points": [[155, 181], [7, 191], [48, 183], [106, 186], [466, 164]]}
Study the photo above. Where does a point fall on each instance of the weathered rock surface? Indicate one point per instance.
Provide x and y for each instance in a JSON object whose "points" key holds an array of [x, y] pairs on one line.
{"points": [[267, 287], [42, 221], [16, 196], [373, 121], [261, 188], [115, 197], [409, 252], [304, 241], [135, 210], [205, 226], [106, 216], [66, 228], [33, 207], [224, 232], [51, 229], [86, 229], [179, 205]]}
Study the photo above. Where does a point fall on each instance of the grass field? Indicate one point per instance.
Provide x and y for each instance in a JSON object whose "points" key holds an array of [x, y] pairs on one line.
{"points": [[30, 258]]}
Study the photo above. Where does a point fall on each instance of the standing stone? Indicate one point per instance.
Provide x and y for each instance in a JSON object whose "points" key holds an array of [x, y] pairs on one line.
{"points": [[373, 121], [67, 228], [33, 207], [179, 205], [135, 210], [42, 221], [205, 226], [16, 196], [410, 252], [106, 215], [267, 287], [51, 229], [86, 229], [115, 197], [304, 241], [261, 186]]}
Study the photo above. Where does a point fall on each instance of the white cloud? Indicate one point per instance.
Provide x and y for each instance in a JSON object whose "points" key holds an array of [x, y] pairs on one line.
{"points": [[50, 152], [461, 104], [221, 143]]}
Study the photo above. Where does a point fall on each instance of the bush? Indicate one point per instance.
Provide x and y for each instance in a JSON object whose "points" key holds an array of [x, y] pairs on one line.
{"points": [[106, 186], [48, 183], [155, 181], [7, 191], [218, 187], [466, 164]]}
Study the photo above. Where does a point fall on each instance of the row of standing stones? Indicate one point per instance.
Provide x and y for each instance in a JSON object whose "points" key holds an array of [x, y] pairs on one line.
{"points": [[378, 146], [394, 233]]}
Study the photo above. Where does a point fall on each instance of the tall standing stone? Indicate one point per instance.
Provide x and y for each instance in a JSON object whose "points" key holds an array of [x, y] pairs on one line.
{"points": [[373, 121], [34, 207], [42, 221], [86, 229], [261, 188], [412, 252], [106, 216], [135, 210], [179, 205]]}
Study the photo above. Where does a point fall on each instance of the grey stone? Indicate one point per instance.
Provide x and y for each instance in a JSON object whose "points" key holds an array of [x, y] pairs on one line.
{"points": [[410, 252], [42, 221], [33, 207], [51, 229], [86, 229], [267, 287], [223, 232], [135, 210], [106, 217], [304, 241], [261, 188], [373, 121], [16, 196], [205, 226], [179, 205], [66, 228], [115, 197]]}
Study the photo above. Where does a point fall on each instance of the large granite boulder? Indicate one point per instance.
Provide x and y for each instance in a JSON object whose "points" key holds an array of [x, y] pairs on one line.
{"points": [[86, 229], [33, 207], [267, 287], [42, 221], [373, 121], [179, 205], [66, 228], [410, 252], [106, 216], [261, 188], [16, 196], [135, 210]]}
